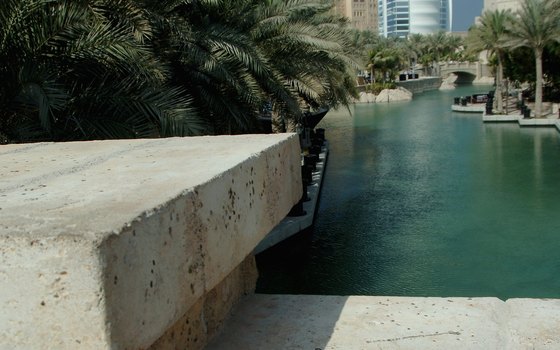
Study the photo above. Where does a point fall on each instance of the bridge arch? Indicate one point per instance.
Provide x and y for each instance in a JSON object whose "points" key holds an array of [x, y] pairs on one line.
{"points": [[466, 71], [462, 77]]}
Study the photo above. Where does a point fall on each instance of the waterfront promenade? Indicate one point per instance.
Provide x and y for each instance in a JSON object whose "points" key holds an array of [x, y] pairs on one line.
{"points": [[551, 119], [419, 201], [330, 322], [278, 322]]}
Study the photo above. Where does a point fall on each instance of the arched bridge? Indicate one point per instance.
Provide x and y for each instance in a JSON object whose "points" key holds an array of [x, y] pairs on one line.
{"points": [[465, 70]]}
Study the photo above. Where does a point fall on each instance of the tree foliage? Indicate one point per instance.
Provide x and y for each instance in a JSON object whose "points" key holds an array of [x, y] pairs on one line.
{"points": [[533, 31], [491, 36], [94, 69], [387, 56], [536, 26]]}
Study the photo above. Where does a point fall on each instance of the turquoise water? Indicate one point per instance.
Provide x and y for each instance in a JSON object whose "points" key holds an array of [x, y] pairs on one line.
{"points": [[420, 201]]}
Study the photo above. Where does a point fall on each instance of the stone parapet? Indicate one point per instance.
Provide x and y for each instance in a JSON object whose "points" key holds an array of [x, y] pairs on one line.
{"points": [[108, 244]]}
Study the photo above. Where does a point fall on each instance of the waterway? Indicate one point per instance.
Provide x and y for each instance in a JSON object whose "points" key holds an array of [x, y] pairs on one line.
{"points": [[421, 201]]}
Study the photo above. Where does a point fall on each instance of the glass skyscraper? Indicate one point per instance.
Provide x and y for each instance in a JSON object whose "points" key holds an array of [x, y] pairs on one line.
{"points": [[403, 17]]}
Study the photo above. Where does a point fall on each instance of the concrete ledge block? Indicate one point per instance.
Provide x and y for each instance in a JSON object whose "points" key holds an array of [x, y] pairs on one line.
{"points": [[278, 322], [501, 118], [537, 122], [469, 109], [534, 323], [107, 244]]}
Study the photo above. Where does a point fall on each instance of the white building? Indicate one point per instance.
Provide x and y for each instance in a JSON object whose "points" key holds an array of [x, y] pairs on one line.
{"points": [[403, 17]]}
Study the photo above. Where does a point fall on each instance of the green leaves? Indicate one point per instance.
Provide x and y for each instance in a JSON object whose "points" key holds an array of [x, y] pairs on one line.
{"points": [[535, 25], [71, 70], [76, 70], [388, 56]]}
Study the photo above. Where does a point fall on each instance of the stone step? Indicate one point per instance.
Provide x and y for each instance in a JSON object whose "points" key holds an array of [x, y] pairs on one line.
{"points": [[275, 322]]}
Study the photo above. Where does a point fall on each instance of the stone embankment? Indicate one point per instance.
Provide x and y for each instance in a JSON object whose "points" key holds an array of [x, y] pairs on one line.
{"points": [[135, 244], [404, 92], [386, 95]]}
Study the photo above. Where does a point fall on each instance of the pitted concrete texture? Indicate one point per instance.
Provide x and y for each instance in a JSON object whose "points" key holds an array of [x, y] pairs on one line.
{"points": [[275, 322], [107, 244], [205, 318]]}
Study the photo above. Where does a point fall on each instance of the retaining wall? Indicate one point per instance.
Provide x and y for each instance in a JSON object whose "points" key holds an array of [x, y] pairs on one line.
{"points": [[421, 85], [118, 244]]}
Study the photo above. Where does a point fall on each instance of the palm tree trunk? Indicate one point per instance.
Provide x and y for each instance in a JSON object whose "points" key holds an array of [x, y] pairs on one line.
{"points": [[539, 83], [278, 121], [499, 94]]}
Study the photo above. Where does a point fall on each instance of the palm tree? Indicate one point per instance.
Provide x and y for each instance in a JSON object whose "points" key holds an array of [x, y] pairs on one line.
{"points": [[454, 45], [74, 70], [535, 26], [388, 57], [232, 56], [416, 44], [363, 41], [388, 62], [309, 51], [489, 35], [146, 68], [437, 46]]}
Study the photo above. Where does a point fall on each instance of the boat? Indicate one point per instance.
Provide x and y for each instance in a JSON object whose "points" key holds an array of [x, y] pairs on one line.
{"points": [[471, 104]]}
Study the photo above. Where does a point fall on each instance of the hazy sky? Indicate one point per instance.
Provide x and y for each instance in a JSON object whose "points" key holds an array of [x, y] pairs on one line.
{"points": [[464, 12]]}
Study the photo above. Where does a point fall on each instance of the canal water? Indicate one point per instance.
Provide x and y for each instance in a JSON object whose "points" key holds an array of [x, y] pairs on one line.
{"points": [[421, 201]]}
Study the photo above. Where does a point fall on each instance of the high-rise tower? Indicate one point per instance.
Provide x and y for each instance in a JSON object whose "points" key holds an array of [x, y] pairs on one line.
{"points": [[403, 17]]}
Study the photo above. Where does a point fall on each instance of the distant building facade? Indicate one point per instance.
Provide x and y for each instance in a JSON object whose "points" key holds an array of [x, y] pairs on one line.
{"points": [[491, 5], [362, 14], [403, 17]]}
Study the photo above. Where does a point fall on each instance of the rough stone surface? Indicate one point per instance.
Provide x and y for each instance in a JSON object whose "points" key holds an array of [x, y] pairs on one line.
{"points": [[366, 97], [484, 81], [206, 317], [533, 324], [447, 86], [107, 244], [277, 322], [393, 95]]}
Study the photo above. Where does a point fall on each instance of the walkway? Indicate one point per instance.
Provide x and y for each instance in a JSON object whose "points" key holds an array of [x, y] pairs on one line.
{"points": [[276, 322], [549, 120]]}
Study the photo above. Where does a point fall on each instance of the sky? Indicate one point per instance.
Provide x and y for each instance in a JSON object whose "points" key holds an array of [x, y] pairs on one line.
{"points": [[464, 12]]}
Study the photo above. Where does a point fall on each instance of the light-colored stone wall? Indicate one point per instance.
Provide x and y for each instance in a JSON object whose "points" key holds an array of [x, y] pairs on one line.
{"points": [[493, 5], [421, 85], [206, 317], [108, 244]]}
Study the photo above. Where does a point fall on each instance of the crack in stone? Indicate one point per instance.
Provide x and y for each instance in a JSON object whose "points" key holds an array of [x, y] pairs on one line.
{"points": [[414, 336]]}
